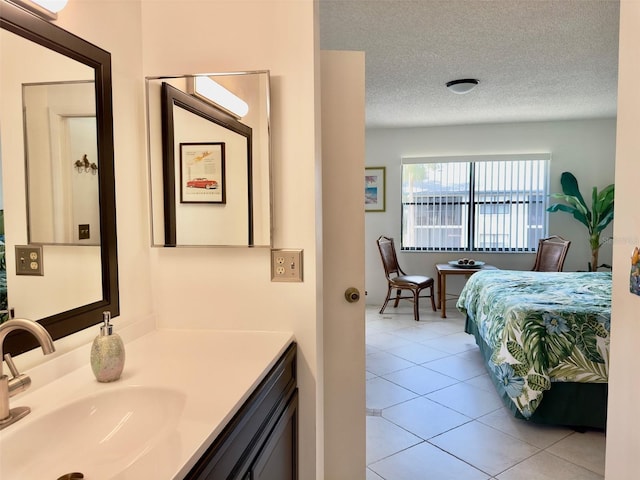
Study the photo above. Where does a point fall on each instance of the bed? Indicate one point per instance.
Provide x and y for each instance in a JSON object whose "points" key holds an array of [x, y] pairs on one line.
{"points": [[545, 339]]}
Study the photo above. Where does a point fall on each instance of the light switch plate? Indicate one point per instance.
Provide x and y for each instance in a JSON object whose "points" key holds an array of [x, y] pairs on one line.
{"points": [[84, 232], [29, 260], [286, 265]]}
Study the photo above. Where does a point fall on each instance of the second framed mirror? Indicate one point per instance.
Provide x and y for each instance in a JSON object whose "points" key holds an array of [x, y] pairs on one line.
{"points": [[209, 159]]}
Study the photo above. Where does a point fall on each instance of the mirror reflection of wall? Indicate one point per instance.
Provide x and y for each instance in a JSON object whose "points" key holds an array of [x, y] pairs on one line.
{"points": [[203, 222], [73, 275], [253, 88], [61, 156]]}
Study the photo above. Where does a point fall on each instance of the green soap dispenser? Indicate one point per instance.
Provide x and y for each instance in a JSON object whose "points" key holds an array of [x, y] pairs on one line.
{"points": [[107, 352]]}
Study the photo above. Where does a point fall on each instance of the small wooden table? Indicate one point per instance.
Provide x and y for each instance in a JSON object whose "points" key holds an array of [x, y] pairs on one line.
{"points": [[445, 269]]}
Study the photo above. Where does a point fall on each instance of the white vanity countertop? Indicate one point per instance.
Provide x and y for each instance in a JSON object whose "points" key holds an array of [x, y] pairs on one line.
{"points": [[214, 371]]}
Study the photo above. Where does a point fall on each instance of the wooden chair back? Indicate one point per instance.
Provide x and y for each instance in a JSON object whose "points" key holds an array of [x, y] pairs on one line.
{"points": [[389, 258], [552, 252]]}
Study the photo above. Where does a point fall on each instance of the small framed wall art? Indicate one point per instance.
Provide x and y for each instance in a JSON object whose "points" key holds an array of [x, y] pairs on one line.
{"points": [[202, 173], [374, 189]]}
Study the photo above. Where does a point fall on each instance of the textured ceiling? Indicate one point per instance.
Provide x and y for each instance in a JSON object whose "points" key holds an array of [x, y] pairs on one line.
{"points": [[535, 59]]}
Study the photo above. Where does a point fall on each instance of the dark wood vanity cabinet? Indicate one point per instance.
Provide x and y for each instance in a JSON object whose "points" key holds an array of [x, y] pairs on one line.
{"points": [[261, 441]]}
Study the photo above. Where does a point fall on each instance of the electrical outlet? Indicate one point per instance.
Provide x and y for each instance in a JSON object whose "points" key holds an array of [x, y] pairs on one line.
{"points": [[286, 265], [29, 260]]}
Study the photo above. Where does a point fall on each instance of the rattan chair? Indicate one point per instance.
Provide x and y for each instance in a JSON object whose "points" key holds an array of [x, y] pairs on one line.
{"points": [[551, 254], [398, 280]]}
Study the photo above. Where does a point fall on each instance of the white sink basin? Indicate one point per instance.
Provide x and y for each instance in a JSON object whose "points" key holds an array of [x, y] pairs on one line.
{"points": [[100, 436]]}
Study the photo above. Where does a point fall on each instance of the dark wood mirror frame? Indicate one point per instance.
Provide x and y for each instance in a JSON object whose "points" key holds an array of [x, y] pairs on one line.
{"points": [[30, 27], [171, 97]]}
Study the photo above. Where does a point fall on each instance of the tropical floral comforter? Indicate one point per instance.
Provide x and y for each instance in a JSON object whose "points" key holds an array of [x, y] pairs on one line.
{"points": [[541, 327]]}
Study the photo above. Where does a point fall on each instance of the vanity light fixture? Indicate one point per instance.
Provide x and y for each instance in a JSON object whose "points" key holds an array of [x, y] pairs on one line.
{"points": [[207, 89], [462, 86], [47, 9]]}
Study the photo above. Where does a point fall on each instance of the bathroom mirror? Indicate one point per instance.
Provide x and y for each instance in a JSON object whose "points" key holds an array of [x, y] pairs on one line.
{"points": [[209, 167], [79, 282]]}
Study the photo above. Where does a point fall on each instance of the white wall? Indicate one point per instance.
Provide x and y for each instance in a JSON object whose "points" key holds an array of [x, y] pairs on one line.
{"points": [[231, 288], [623, 436], [223, 288], [585, 148]]}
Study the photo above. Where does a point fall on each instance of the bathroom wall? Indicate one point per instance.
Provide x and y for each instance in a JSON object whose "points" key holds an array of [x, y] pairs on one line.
{"points": [[231, 288], [227, 288], [216, 287]]}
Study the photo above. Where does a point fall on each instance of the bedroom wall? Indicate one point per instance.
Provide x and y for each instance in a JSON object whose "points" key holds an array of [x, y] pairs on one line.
{"points": [[623, 436], [584, 147]]}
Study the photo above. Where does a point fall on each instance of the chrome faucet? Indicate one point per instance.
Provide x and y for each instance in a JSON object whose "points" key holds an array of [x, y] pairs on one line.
{"points": [[19, 382]]}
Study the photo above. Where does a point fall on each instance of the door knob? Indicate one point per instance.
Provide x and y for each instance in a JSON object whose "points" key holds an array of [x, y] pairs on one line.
{"points": [[352, 294]]}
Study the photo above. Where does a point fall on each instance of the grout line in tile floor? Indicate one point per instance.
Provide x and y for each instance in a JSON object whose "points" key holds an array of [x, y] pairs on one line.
{"points": [[432, 411]]}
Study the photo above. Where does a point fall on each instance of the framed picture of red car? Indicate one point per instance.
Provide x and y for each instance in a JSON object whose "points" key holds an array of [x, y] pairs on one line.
{"points": [[202, 173]]}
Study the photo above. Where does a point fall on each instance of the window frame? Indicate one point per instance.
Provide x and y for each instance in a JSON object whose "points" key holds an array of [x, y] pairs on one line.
{"points": [[470, 203]]}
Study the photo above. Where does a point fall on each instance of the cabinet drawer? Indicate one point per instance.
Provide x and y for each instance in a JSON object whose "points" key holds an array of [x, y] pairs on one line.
{"points": [[242, 436]]}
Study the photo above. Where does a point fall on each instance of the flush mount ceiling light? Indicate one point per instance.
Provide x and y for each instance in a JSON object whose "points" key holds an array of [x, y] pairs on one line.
{"points": [[47, 9], [209, 90], [462, 86]]}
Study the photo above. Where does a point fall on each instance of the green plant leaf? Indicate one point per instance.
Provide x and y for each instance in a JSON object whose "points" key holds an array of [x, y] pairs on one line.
{"points": [[595, 204], [607, 191], [604, 197], [570, 187], [560, 207], [579, 207], [605, 220], [605, 208]]}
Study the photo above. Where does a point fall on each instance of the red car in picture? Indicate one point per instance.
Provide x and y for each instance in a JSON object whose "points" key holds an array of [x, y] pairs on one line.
{"points": [[202, 183]]}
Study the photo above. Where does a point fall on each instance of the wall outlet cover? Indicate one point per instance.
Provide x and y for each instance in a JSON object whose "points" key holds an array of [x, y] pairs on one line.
{"points": [[29, 260], [286, 265]]}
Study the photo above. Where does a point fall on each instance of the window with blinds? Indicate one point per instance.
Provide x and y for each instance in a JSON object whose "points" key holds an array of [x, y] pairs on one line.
{"points": [[476, 203]]}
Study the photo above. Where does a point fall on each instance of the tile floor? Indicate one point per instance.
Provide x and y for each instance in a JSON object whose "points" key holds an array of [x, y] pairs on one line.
{"points": [[433, 413]]}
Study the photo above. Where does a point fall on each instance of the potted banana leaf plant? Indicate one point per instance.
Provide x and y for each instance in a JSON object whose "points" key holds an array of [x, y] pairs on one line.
{"points": [[595, 218]]}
